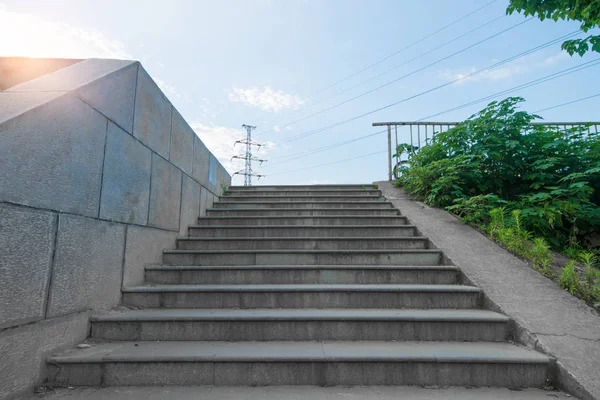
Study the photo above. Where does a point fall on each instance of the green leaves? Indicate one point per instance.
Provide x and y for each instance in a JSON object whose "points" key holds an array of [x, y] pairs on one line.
{"points": [[585, 11], [495, 159]]}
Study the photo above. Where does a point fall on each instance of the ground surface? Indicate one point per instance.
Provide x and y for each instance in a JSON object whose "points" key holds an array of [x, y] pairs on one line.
{"points": [[296, 393]]}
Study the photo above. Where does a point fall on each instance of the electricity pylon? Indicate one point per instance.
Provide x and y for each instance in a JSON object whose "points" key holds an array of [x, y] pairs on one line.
{"points": [[247, 171]]}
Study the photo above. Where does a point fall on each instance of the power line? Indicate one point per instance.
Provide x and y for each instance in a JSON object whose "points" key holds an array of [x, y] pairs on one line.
{"points": [[405, 48], [567, 103], [334, 162], [399, 51], [410, 73], [385, 72], [334, 145], [310, 152], [535, 82], [537, 48]]}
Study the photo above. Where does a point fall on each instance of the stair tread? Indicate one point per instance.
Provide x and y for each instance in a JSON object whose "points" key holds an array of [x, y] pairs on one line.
{"points": [[304, 267], [312, 202], [200, 238], [318, 351], [304, 288], [353, 196], [306, 217], [295, 210], [377, 251], [357, 226], [305, 314]]}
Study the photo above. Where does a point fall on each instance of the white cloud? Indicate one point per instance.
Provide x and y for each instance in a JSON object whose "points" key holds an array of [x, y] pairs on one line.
{"points": [[266, 99], [33, 36], [559, 57], [169, 90], [505, 72]]}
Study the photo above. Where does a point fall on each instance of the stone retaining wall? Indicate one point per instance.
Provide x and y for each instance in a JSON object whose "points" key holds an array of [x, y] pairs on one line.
{"points": [[98, 174]]}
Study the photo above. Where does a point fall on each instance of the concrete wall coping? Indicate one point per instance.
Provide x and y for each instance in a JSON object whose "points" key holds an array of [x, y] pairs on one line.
{"points": [[548, 319]]}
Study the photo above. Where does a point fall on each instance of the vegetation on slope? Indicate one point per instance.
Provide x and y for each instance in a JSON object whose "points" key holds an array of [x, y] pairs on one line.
{"points": [[531, 188]]}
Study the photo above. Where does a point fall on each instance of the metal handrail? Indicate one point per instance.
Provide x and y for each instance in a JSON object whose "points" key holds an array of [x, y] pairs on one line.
{"points": [[448, 125]]}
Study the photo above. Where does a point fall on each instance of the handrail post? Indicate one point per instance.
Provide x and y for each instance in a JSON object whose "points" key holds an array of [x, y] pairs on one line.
{"points": [[389, 129]]}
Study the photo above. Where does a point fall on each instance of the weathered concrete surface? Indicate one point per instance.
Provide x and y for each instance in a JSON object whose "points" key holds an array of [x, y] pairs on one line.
{"points": [[223, 179], [298, 393], [68, 144], [87, 265], [114, 96], [212, 173], [165, 195], [182, 137], [24, 350], [190, 204], [15, 70], [550, 319], [200, 162], [144, 247], [152, 122], [126, 178], [204, 201], [13, 104], [26, 245], [73, 76], [53, 159]]}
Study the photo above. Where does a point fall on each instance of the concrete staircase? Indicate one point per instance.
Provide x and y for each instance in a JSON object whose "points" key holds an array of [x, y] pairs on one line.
{"points": [[302, 285]]}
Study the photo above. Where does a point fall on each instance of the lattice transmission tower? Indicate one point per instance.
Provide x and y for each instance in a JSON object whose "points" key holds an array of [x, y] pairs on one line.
{"points": [[247, 171]]}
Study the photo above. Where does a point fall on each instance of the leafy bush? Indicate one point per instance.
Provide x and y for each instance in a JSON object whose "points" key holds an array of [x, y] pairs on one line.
{"points": [[496, 159]]}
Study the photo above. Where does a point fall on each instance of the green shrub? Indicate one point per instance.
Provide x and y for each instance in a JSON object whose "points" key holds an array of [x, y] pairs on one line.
{"points": [[569, 280], [496, 159]]}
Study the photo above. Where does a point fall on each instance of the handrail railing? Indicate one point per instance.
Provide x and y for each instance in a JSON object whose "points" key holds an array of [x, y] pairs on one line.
{"points": [[415, 134]]}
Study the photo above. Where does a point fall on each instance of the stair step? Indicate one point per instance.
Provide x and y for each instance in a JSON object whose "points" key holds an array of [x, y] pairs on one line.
{"points": [[302, 274], [303, 296], [287, 212], [303, 220], [305, 257], [299, 198], [308, 192], [303, 204], [367, 231], [365, 186], [300, 363], [302, 243], [301, 325]]}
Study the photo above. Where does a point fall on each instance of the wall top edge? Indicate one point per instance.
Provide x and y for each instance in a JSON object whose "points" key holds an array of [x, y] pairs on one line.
{"points": [[73, 76]]}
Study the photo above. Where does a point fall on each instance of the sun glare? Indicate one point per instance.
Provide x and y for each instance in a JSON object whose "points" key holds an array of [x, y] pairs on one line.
{"points": [[32, 36]]}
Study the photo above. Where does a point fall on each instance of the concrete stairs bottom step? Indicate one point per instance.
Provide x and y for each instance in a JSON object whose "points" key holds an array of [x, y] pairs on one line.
{"points": [[302, 274], [303, 296], [300, 363], [301, 325], [300, 392]]}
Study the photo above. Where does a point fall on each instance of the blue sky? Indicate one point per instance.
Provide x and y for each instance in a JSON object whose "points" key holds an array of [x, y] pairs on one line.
{"points": [[265, 63]]}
